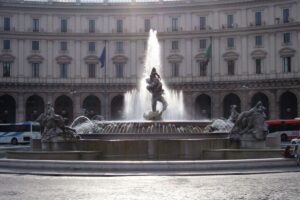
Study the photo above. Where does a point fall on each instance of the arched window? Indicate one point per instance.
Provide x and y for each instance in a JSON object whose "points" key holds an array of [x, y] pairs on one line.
{"points": [[288, 106], [230, 99], [203, 107], [34, 107]]}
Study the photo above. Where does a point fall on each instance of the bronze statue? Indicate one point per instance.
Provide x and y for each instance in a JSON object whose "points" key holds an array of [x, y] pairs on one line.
{"points": [[250, 124], [53, 126], [155, 88]]}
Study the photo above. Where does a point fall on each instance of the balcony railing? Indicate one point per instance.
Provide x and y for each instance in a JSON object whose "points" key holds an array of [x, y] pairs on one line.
{"points": [[93, 1], [168, 80]]}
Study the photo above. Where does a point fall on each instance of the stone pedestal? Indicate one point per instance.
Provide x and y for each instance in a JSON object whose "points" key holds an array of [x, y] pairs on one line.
{"points": [[248, 141], [36, 145], [273, 141], [252, 144], [59, 144]]}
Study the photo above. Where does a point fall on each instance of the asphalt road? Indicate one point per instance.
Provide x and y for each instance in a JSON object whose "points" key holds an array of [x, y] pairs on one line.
{"points": [[281, 186]]}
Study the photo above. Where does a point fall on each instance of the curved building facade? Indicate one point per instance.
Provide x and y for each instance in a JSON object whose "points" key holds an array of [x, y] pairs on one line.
{"points": [[50, 52]]}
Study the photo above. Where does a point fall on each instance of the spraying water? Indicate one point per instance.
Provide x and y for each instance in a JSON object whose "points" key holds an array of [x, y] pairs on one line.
{"points": [[138, 101]]}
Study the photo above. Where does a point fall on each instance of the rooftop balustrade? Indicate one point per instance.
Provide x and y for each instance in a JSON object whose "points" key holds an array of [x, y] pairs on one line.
{"points": [[95, 1]]}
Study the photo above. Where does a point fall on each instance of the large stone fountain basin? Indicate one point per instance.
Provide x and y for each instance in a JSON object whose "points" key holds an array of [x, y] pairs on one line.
{"points": [[138, 149]]}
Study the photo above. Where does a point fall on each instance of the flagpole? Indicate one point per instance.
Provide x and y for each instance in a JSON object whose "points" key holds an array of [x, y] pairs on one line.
{"points": [[211, 75], [105, 85]]}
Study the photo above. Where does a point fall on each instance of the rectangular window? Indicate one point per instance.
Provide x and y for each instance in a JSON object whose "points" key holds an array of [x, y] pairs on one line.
{"points": [[287, 64], [287, 38], [286, 15], [202, 23], [92, 70], [258, 66], [174, 24], [35, 70], [202, 44], [175, 45], [258, 41], [119, 47], [119, 26], [35, 25], [6, 69], [92, 46], [119, 70], [147, 25], [175, 69], [229, 21], [35, 45], [230, 42], [203, 68], [63, 46], [92, 26], [64, 70], [6, 44], [230, 65], [6, 24], [258, 18], [64, 25]]}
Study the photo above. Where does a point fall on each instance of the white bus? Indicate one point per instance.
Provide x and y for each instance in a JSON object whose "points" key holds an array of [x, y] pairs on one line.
{"points": [[19, 132]]}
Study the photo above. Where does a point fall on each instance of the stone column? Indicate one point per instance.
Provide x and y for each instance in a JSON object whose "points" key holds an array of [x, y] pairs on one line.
{"points": [[189, 104], [271, 15], [277, 101], [107, 109], [106, 24], [20, 108], [216, 103], [244, 55], [77, 27], [161, 23], [78, 68], [133, 60], [272, 55], [188, 22], [21, 60], [21, 23], [188, 58], [243, 21], [273, 105], [50, 64], [221, 96], [216, 57], [49, 23], [216, 21], [49, 98], [133, 24], [245, 100], [77, 106]]}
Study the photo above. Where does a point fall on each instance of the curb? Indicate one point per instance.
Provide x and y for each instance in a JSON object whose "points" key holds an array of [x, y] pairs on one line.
{"points": [[123, 168]]}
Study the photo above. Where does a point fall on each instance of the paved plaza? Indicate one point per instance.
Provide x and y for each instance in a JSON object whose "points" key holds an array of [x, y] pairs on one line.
{"points": [[256, 186]]}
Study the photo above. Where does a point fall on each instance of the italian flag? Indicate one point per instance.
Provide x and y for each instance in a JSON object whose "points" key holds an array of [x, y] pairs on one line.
{"points": [[208, 55]]}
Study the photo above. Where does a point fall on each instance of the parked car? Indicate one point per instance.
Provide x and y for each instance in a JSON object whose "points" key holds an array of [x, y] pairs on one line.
{"points": [[295, 141]]}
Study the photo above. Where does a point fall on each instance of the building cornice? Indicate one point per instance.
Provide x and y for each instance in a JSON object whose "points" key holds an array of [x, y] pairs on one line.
{"points": [[267, 29], [250, 85], [136, 7]]}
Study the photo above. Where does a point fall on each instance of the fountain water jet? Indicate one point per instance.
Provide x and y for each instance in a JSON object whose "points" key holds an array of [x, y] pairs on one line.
{"points": [[140, 98]]}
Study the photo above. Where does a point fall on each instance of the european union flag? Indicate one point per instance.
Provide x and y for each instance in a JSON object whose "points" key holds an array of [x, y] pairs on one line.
{"points": [[103, 57]]}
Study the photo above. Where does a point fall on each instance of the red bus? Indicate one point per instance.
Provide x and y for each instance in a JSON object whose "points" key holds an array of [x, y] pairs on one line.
{"points": [[287, 129]]}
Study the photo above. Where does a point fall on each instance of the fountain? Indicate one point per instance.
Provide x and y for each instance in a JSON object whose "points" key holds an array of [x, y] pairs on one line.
{"points": [[171, 119], [140, 98], [158, 134]]}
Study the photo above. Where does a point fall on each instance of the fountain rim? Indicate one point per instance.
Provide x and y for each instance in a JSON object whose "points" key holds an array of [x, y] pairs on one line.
{"points": [[154, 122]]}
